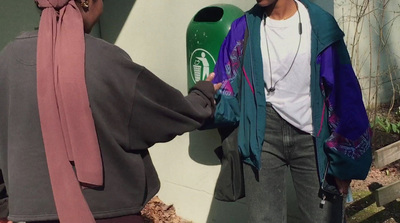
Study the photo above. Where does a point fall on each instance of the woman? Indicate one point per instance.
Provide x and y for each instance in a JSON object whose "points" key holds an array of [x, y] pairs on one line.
{"points": [[78, 117]]}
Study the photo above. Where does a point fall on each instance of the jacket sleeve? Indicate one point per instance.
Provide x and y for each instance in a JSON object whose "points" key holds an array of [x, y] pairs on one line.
{"points": [[160, 112], [3, 198], [228, 71], [349, 146]]}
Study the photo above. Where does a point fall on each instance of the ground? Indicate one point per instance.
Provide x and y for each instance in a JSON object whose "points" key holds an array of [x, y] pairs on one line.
{"points": [[158, 212], [362, 210]]}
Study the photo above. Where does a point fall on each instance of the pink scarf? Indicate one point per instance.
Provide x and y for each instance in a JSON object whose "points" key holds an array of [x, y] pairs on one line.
{"points": [[68, 129]]}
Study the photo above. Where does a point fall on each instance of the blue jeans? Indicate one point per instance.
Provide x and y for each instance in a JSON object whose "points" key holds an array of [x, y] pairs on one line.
{"points": [[286, 146]]}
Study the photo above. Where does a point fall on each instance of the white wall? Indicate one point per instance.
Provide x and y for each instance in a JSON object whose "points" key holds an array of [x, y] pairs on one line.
{"points": [[373, 44], [15, 17]]}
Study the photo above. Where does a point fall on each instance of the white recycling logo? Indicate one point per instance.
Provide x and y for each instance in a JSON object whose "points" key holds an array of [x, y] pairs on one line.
{"points": [[200, 61]]}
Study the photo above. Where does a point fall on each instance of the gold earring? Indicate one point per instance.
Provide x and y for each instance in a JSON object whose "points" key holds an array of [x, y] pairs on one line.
{"points": [[85, 5]]}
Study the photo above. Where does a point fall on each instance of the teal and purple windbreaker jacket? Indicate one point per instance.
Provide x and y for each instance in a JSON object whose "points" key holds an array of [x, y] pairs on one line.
{"points": [[341, 127]]}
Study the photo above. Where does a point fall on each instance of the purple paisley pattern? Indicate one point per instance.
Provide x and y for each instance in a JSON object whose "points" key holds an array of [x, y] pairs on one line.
{"points": [[353, 149], [232, 69]]}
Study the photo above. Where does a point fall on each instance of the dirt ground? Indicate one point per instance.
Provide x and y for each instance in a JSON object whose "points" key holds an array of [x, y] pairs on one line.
{"points": [[384, 176], [364, 208], [157, 211]]}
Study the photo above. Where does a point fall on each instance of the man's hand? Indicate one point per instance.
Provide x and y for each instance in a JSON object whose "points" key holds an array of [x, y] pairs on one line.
{"points": [[343, 186], [4, 220]]}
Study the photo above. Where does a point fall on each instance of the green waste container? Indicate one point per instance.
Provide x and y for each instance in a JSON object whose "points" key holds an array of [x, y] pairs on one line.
{"points": [[204, 36]]}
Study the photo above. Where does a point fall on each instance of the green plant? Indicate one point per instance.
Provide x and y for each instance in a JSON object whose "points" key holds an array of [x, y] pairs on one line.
{"points": [[388, 125]]}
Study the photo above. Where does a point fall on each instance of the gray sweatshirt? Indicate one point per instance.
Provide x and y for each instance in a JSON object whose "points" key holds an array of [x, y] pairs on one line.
{"points": [[132, 110]]}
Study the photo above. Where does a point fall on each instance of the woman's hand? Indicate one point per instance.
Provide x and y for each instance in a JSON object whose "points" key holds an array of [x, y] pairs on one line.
{"points": [[210, 78]]}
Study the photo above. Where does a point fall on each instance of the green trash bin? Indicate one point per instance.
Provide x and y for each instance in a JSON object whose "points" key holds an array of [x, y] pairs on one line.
{"points": [[204, 36]]}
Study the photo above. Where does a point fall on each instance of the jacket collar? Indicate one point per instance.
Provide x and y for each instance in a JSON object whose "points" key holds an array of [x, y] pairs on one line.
{"points": [[324, 25]]}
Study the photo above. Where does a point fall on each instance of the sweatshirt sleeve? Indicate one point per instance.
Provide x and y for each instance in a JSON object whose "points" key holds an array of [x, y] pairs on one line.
{"points": [[349, 146], [161, 112], [3, 198]]}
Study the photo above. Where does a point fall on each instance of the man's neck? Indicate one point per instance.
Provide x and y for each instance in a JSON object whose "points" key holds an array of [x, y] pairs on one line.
{"points": [[281, 9]]}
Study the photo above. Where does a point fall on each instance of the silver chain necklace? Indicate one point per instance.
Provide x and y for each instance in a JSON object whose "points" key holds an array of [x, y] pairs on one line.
{"points": [[272, 87]]}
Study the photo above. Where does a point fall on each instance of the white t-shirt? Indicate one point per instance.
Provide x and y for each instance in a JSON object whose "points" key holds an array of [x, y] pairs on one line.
{"points": [[291, 97]]}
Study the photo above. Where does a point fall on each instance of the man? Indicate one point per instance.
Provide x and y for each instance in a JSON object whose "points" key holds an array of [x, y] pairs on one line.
{"points": [[289, 86]]}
